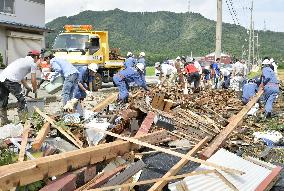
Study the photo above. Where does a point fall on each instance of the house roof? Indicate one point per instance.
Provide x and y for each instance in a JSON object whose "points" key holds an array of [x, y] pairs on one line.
{"points": [[24, 26]]}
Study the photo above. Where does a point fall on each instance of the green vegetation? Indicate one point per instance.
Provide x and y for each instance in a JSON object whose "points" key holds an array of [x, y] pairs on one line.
{"points": [[1, 60], [167, 34], [150, 71]]}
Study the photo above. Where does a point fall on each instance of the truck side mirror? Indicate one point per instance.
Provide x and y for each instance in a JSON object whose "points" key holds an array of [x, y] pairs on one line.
{"points": [[87, 45]]}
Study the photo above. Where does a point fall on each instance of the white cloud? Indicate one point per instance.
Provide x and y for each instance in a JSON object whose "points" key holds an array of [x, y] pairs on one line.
{"points": [[57, 8]]}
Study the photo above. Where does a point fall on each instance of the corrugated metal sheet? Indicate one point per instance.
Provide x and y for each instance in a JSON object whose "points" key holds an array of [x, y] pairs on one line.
{"points": [[254, 174]]}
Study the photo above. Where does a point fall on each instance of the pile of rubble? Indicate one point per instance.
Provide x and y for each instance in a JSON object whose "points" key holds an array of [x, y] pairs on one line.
{"points": [[107, 149]]}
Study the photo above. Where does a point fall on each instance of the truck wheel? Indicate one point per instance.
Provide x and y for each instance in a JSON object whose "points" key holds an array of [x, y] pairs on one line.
{"points": [[97, 82]]}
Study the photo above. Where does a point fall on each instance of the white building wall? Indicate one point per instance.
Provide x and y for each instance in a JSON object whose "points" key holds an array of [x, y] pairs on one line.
{"points": [[26, 12]]}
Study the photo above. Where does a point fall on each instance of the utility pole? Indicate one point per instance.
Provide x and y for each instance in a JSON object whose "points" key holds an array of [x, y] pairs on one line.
{"points": [[253, 44], [257, 47], [250, 35], [219, 30]]}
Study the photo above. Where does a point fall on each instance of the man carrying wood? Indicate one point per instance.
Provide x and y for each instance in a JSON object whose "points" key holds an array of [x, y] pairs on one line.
{"points": [[11, 79]]}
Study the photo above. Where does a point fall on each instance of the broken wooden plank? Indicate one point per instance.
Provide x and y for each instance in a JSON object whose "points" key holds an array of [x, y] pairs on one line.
{"points": [[234, 122], [100, 106], [146, 124], [60, 129], [168, 105], [26, 172], [167, 151], [24, 141], [154, 180], [176, 168], [41, 136]]}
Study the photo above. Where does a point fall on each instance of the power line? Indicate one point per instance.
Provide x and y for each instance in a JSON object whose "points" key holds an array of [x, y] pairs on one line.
{"points": [[234, 12], [230, 11]]}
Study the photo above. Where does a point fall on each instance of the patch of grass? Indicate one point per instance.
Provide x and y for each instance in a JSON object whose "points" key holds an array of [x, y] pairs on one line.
{"points": [[150, 71]]}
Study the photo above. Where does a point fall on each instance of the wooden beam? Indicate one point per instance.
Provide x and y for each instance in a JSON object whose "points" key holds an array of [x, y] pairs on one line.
{"points": [[19, 174], [60, 129], [176, 168], [170, 152], [24, 141], [41, 136], [100, 106], [219, 140], [226, 181], [154, 180], [146, 124]]}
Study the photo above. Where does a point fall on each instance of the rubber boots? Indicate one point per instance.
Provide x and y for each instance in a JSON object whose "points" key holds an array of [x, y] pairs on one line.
{"points": [[3, 117]]}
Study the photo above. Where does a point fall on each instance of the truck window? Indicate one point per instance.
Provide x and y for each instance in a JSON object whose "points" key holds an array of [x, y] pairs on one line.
{"points": [[70, 41], [95, 45]]}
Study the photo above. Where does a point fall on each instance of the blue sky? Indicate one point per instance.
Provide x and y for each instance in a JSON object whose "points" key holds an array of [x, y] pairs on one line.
{"points": [[270, 11]]}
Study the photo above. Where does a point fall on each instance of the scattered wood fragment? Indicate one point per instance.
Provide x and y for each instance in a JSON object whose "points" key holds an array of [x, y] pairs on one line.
{"points": [[234, 122], [41, 136], [24, 141], [100, 106], [60, 129]]}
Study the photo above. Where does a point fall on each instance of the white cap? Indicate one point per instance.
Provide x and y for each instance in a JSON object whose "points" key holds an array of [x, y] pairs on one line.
{"points": [[157, 64], [178, 58], [266, 62], [142, 54], [94, 67], [140, 66], [129, 54]]}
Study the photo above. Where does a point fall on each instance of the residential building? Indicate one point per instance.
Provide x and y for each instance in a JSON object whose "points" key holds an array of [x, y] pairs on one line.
{"points": [[22, 28]]}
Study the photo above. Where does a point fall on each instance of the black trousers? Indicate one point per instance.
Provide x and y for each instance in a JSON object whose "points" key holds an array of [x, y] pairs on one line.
{"points": [[14, 88], [195, 78]]}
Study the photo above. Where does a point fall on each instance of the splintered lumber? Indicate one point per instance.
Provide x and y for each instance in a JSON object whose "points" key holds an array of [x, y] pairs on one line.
{"points": [[41, 136], [146, 124], [176, 168], [24, 141], [100, 106], [60, 129], [219, 140], [168, 105], [26, 172], [170, 152], [154, 180]]}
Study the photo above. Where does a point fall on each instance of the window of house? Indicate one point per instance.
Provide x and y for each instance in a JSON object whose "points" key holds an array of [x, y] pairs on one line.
{"points": [[7, 6], [38, 1]]}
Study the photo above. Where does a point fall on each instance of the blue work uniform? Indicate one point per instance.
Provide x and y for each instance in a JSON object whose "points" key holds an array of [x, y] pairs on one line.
{"points": [[249, 90], [216, 69], [271, 88], [129, 62], [126, 76], [84, 80], [70, 74]]}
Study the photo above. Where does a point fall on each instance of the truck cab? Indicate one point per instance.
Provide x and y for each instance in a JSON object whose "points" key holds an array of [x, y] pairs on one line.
{"points": [[81, 46]]}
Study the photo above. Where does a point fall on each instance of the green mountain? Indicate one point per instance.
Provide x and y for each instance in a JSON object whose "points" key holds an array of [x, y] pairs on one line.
{"points": [[167, 34]]}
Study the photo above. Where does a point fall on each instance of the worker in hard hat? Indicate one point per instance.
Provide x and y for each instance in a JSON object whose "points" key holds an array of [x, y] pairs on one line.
{"points": [[206, 77], [142, 60], [238, 75], [68, 71], [225, 75], [11, 79], [249, 90], [85, 78], [129, 75], [192, 75], [271, 87], [130, 60], [167, 73], [179, 67]]}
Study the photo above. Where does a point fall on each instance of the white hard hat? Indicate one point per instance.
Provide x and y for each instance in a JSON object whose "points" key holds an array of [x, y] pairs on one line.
{"points": [[190, 59], [142, 54], [129, 54], [140, 66], [157, 64], [266, 62], [178, 58], [94, 67], [271, 60]]}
